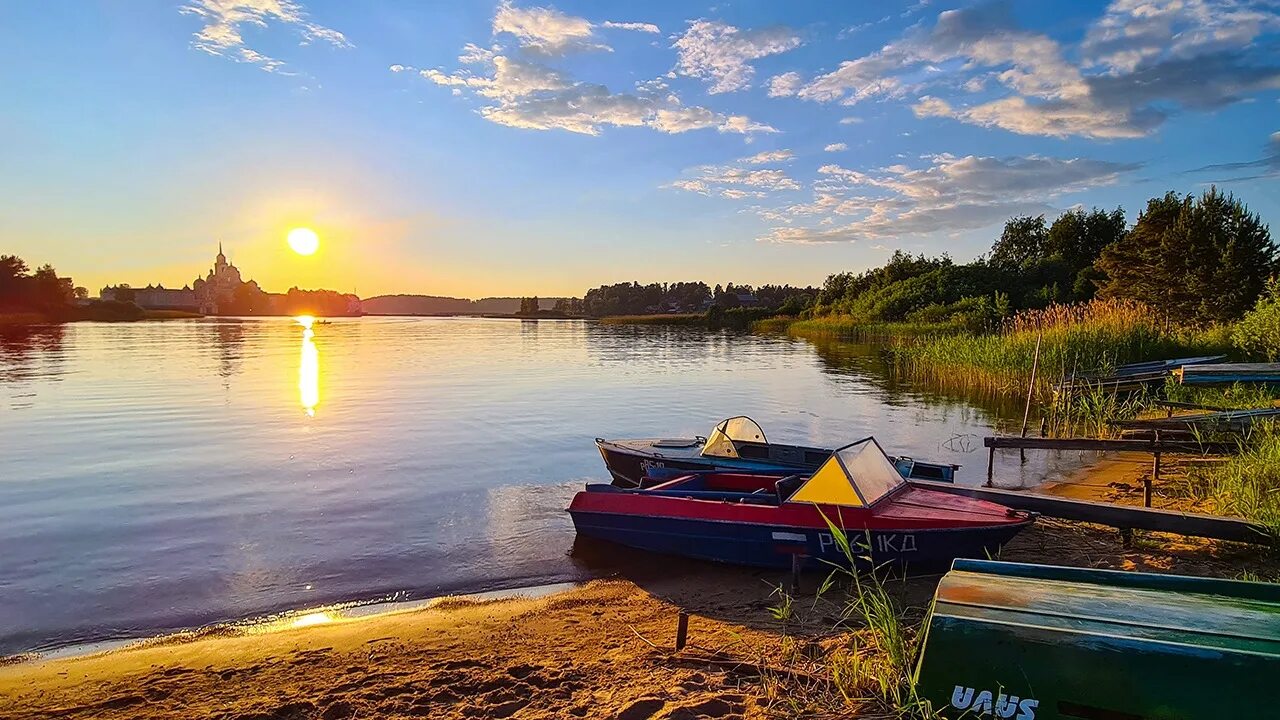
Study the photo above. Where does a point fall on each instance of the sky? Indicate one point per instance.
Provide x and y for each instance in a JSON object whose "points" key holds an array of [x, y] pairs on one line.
{"points": [[515, 148]]}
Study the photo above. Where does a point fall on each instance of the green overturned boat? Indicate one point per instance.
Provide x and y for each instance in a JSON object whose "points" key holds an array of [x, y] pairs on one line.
{"points": [[1014, 640]]}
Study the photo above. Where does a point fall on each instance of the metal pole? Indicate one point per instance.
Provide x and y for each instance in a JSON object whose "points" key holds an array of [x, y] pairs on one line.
{"points": [[1031, 386]]}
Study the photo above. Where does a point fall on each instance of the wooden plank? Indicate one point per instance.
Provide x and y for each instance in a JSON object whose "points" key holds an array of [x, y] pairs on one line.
{"points": [[1226, 417], [1110, 445], [1229, 373], [1189, 406], [1112, 515]]}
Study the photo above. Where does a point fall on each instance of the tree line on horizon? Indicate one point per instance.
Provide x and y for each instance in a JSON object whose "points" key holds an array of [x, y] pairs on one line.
{"points": [[633, 298], [41, 291], [1190, 258]]}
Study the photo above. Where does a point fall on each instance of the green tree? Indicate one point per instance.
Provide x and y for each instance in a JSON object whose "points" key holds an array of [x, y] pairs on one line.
{"points": [[1205, 258], [1025, 240], [1078, 238]]}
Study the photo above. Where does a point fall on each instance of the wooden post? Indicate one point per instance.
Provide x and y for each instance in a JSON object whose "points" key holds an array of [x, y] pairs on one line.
{"points": [[682, 630], [991, 462], [1146, 486], [1031, 386], [795, 572], [1155, 471]]}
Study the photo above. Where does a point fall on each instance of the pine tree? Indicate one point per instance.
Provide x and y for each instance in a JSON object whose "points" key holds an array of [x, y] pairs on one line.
{"points": [[1205, 258]]}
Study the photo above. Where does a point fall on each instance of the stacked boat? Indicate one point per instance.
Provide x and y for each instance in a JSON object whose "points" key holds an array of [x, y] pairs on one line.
{"points": [[734, 498]]}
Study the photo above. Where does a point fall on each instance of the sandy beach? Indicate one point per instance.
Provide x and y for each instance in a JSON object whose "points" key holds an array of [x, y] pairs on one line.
{"points": [[601, 650]]}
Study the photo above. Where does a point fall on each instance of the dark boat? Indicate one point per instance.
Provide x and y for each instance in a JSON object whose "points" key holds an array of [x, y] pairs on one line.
{"points": [[736, 444], [763, 520]]}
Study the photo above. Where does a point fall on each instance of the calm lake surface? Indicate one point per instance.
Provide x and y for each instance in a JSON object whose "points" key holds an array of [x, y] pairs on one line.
{"points": [[165, 475]]}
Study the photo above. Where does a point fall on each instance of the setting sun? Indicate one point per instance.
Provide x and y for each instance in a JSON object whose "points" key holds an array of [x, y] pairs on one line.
{"points": [[304, 241]]}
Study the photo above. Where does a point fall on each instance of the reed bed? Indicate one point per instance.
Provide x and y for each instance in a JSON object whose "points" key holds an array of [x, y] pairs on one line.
{"points": [[656, 319], [1075, 339], [848, 327]]}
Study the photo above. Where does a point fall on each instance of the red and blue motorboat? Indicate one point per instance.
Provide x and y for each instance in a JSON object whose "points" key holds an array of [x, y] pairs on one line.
{"points": [[764, 520], [737, 444]]}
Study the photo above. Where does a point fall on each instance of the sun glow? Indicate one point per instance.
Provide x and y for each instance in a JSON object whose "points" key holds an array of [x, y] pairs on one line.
{"points": [[315, 618], [304, 241]]}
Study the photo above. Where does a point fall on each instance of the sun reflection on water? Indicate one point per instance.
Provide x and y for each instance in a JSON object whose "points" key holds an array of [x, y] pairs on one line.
{"points": [[308, 367]]}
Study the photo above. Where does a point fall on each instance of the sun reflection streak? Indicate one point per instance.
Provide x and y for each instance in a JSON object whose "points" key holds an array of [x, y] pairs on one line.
{"points": [[313, 618], [309, 367]]}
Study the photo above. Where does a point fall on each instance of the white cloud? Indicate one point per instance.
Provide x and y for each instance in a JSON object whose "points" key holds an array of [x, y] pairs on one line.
{"points": [[1191, 54], [224, 19], [1133, 32], [836, 147], [721, 53], [952, 193], [850, 120], [768, 156], [545, 30], [785, 85], [636, 26], [736, 182], [532, 96]]}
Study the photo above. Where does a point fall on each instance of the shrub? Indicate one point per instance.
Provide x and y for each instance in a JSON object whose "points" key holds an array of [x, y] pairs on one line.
{"points": [[1258, 334]]}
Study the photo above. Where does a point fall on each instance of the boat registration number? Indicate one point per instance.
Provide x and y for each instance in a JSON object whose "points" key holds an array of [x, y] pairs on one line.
{"points": [[883, 542]]}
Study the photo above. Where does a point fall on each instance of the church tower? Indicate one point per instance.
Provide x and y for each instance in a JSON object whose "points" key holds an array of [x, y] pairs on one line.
{"points": [[220, 263]]}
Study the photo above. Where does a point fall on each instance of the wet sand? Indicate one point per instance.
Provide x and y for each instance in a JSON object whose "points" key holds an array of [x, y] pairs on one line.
{"points": [[602, 650]]}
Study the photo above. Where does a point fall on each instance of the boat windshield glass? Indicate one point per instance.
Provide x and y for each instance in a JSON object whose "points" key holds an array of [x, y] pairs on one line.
{"points": [[856, 475], [870, 469], [724, 439]]}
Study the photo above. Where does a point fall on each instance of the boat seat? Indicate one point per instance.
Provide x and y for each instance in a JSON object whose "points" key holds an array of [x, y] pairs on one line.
{"points": [[788, 485]]}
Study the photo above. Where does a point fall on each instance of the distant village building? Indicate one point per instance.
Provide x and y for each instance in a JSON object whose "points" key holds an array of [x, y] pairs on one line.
{"points": [[220, 285], [205, 295], [223, 290]]}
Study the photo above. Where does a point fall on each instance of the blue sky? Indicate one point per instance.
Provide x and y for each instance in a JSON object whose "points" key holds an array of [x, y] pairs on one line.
{"points": [[518, 148]]}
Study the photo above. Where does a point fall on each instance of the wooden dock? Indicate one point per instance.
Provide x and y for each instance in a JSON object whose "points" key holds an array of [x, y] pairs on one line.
{"points": [[1156, 446], [1185, 447], [1124, 517]]}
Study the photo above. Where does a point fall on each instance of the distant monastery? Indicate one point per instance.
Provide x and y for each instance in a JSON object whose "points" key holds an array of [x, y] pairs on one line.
{"points": [[205, 295]]}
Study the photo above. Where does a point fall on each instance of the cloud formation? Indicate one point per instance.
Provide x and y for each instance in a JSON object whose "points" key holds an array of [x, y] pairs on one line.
{"points": [[1268, 165], [521, 91], [547, 31], [836, 147], [785, 85], [735, 181], [1143, 58], [224, 19], [952, 193], [721, 53]]}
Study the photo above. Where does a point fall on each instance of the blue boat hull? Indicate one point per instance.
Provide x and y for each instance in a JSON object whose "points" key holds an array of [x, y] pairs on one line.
{"points": [[773, 546], [629, 469]]}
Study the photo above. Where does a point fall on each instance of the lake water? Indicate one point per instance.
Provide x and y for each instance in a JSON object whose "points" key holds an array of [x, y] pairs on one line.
{"points": [[156, 476]]}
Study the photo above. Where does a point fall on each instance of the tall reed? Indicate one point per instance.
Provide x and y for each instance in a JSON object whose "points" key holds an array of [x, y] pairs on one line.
{"points": [[1075, 339]]}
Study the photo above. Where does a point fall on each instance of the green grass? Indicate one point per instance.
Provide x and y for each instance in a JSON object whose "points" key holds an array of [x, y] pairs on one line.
{"points": [[1240, 396], [1246, 485]]}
